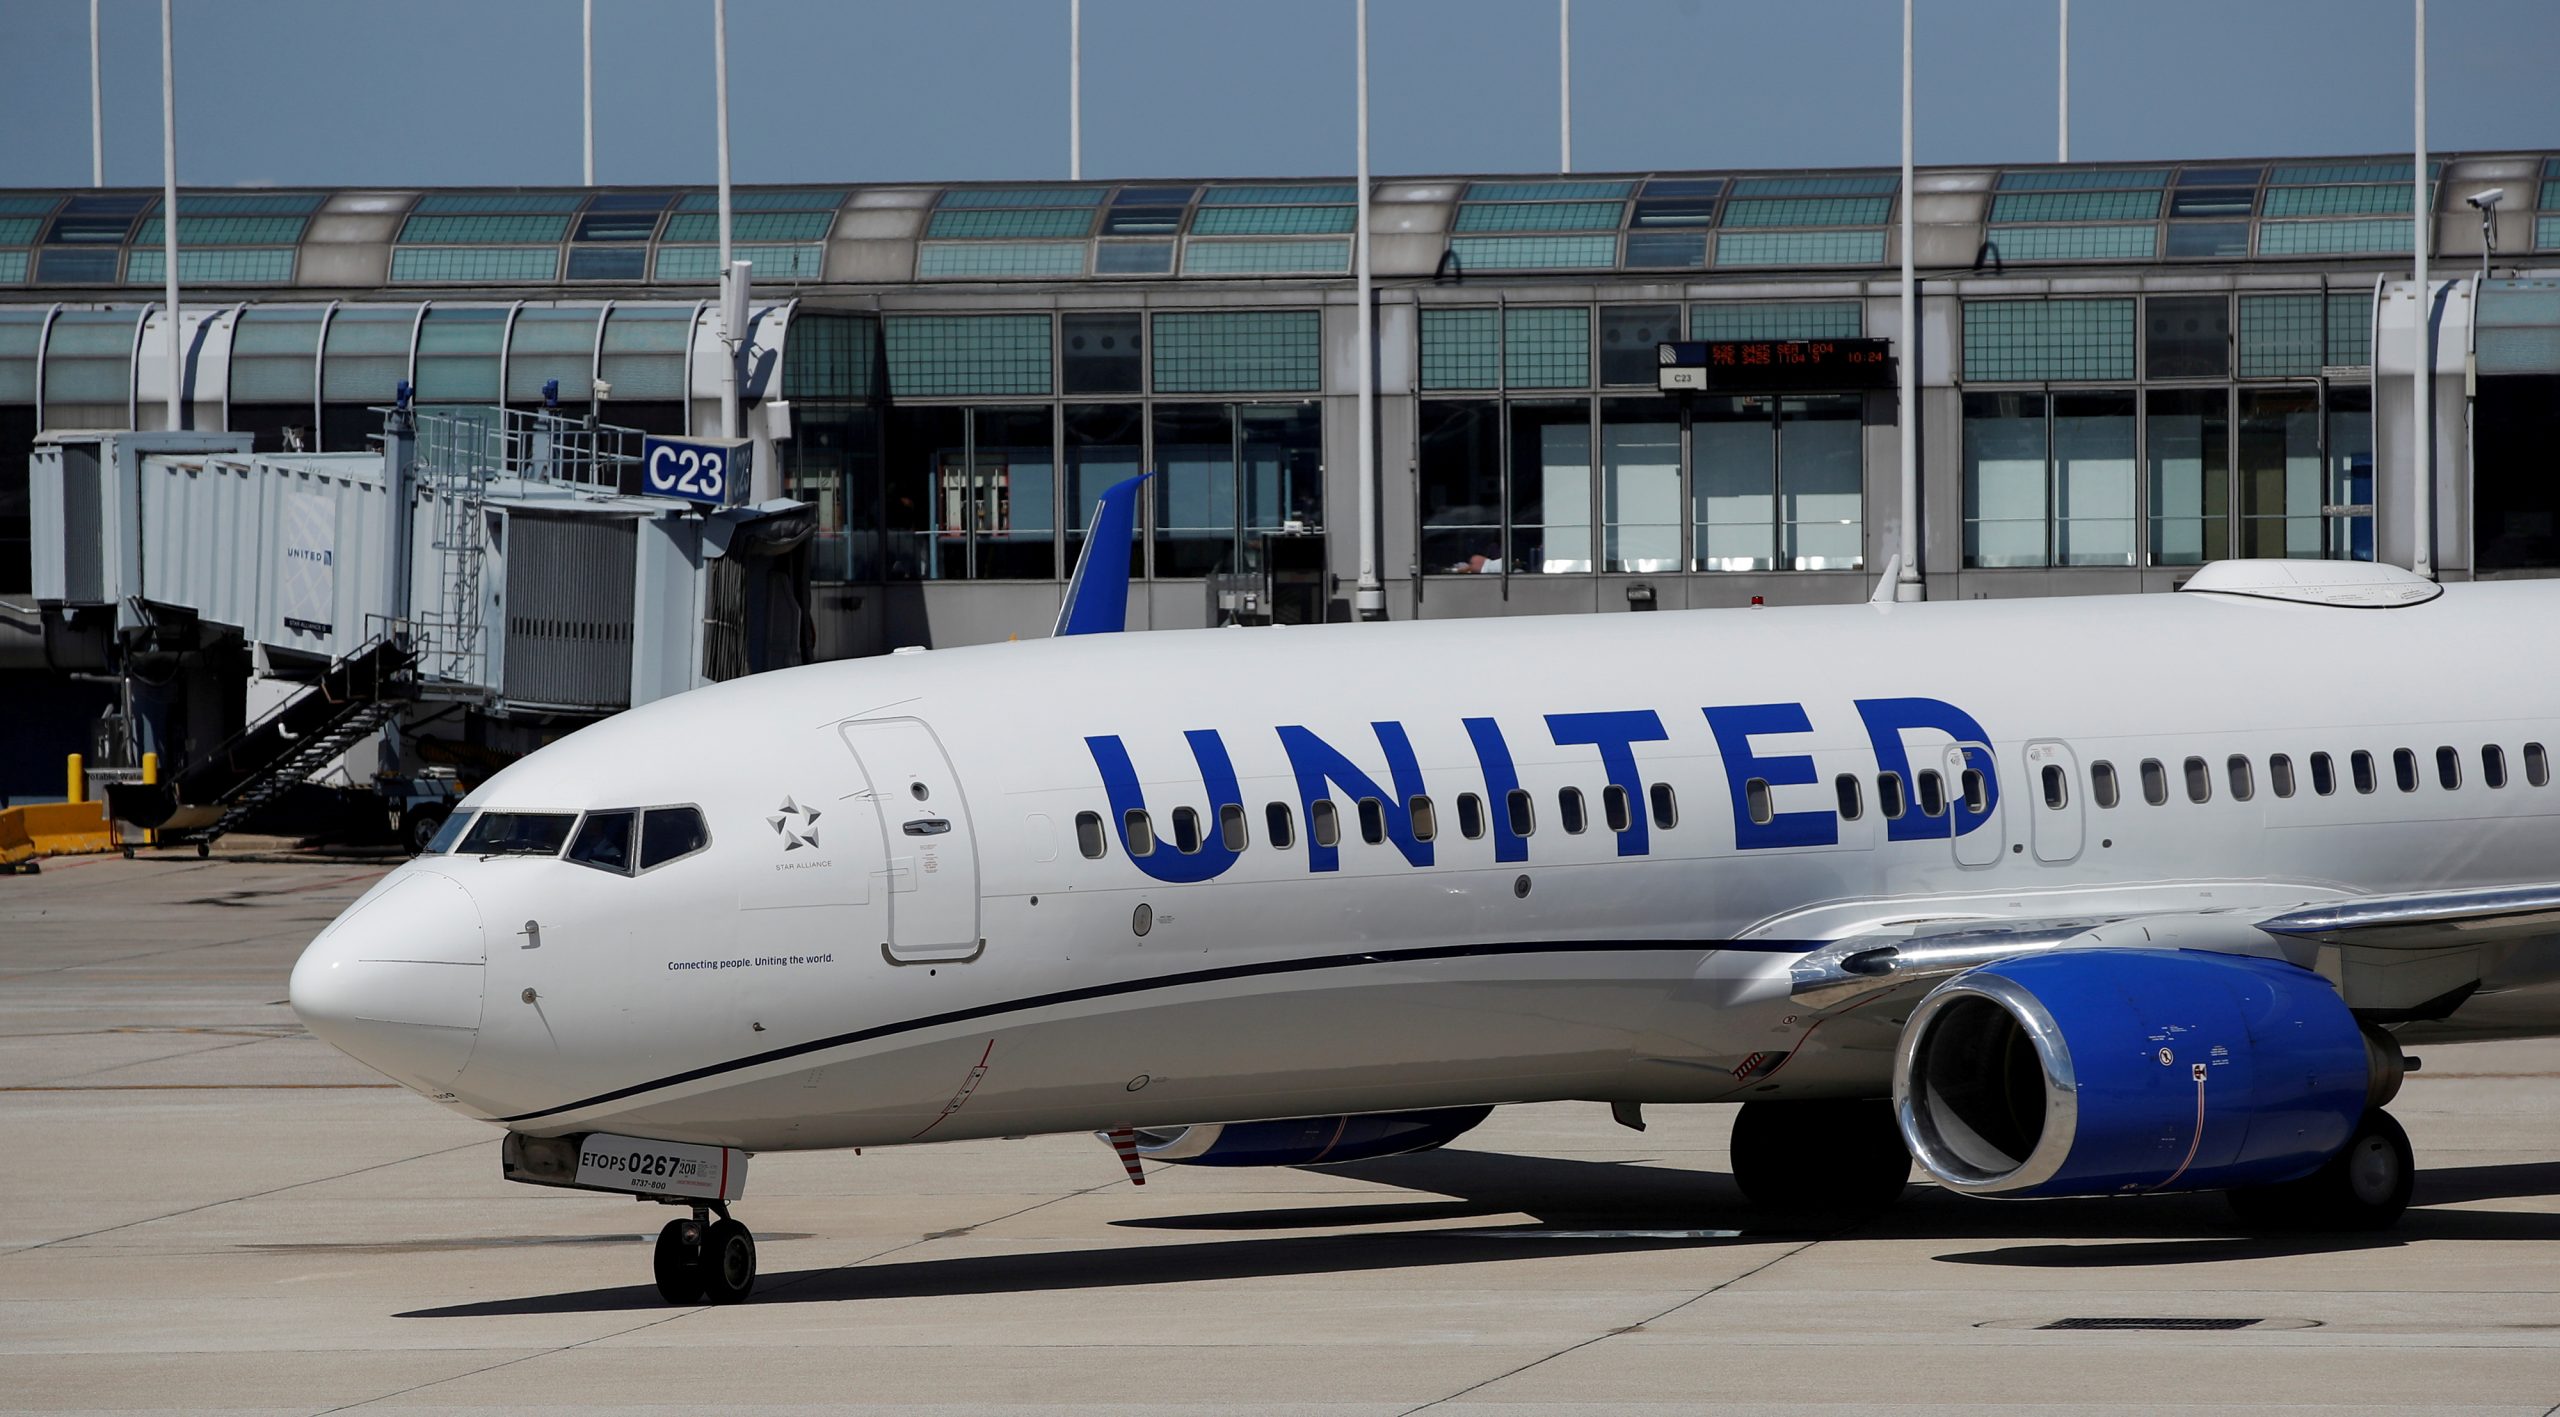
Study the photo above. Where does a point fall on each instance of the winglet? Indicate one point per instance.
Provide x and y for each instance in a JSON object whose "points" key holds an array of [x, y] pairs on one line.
{"points": [[1097, 600], [1884, 583]]}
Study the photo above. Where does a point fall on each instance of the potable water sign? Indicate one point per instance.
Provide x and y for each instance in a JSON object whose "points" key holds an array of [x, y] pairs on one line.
{"points": [[695, 469]]}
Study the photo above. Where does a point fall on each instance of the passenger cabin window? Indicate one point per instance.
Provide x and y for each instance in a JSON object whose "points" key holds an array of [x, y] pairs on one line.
{"points": [[1186, 831], [450, 834], [2360, 763], [1889, 796], [2537, 765], [1852, 803], [2244, 783], [1140, 832], [1613, 808], [1933, 794], [519, 834], [670, 832], [2102, 783], [1470, 816], [1231, 833], [1373, 820], [1277, 827], [604, 841], [1523, 812], [2155, 782], [1666, 807], [2057, 792], [2280, 775], [1324, 823], [1976, 789], [1089, 838], [2449, 769], [1755, 797], [1426, 822], [2324, 774], [2199, 781], [2493, 765], [1570, 811], [2404, 769]]}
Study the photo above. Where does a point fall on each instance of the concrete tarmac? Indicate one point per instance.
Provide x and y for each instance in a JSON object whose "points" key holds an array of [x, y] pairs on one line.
{"points": [[208, 1210]]}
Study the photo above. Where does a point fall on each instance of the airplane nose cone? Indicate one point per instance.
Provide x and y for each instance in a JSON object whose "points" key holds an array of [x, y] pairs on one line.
{"points": [[395, 983]]}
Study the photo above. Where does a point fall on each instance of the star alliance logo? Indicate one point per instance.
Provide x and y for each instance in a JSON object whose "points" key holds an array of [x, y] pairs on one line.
{"points": [[795, 824]]}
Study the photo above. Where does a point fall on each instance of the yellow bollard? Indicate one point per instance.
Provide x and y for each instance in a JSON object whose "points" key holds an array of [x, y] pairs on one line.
{"points": [[74, 781], [150, 774]]}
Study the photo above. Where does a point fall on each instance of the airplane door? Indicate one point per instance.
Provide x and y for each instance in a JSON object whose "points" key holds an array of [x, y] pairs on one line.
{"points": [[2053, 785], [932, 869], [1973, 803]]}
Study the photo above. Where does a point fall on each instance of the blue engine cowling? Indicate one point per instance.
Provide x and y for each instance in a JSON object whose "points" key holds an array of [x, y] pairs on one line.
{"points": [[2111, 1072], [1308, 1141]]}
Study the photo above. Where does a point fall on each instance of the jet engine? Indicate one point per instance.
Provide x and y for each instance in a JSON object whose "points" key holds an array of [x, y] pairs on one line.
{"points": [[1308, 1141], [2114, 1072]]}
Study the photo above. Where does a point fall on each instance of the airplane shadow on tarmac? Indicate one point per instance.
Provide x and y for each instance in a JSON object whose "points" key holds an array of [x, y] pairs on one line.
{"points": [[1603, 1207]]}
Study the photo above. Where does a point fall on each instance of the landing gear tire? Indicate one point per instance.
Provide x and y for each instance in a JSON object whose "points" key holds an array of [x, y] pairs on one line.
{"points": [[728, 1263], [1844, 1159], [679, 1262], [2364, 1187]]}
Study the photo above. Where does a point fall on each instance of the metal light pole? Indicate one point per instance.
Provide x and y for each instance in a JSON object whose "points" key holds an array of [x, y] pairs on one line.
{"points": [[728, 337], [1370, 603], [1908, 584], [587, 72], [1075, 90], [1564, 84], [2062, 126], [97, 109], [169, 214], [2421, 217]]}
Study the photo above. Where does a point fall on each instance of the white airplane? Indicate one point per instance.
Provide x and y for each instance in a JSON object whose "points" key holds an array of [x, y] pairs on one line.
{"points": [[2101, 896]]}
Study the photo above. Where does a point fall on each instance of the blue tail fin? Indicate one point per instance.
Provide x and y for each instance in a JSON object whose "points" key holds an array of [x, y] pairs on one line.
{"points": [[1098, 594]]}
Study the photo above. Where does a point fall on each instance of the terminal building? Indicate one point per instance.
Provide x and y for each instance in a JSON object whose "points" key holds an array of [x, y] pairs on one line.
{"points": [[2126, 370]]}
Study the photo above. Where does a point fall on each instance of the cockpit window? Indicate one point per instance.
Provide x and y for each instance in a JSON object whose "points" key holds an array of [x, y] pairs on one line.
{"points": [[669, 832], [450, 833], [518, 834], [604, 842]]}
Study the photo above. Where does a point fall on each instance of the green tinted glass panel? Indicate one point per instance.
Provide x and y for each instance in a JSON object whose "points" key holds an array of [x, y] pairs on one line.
{"points": [[2076, 243], [935, 355], [2294, 174], [2336, 201], [772, 262], [1546, 191], [1775, 319], [196, 230], [1274, 221], [830, 355], [192, 204], [1461, 349], [1534, 253], [2546, 233], [211, 266], [273, 354], [2082, 180], [1805, 248], [1015, 222], [1541, 216], [1268, 194], [750, 226], [2048, 339], [1262, 258], [1023, 197], [552, 344], [455, 230], [481, 203], [458, 354], [1546, 348], [27, 203], [2075, 206], [368, 352], [490, 263], [941, 260], [2280, 335], [826, 200], [89, 357], [1221, 351], [2550, 196], [644, 351], [1850, 186], [2350, 330], [1810, 211], [21, 231], [2332, 238], [19, 329], [13, 266]]}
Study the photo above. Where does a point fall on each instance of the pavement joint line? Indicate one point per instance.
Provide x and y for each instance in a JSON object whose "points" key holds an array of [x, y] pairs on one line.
{"points": [[161, 1058], [139, 954], [230, 1200], [1608, 1334]]}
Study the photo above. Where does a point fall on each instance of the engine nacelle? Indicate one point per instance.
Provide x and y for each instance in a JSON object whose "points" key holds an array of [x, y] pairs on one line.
{"points": [[1308, 1141], [2112, 1072]]}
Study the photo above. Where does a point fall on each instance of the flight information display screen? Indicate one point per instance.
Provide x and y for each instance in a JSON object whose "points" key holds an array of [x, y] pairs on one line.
{"points": [[1751, 366]]}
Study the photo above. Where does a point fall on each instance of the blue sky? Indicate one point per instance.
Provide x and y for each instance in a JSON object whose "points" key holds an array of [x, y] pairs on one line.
{"points": [[347, 92]]}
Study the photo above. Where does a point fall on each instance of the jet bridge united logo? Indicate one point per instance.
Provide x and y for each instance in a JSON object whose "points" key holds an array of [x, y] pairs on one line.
{"points": [[795, 824]]}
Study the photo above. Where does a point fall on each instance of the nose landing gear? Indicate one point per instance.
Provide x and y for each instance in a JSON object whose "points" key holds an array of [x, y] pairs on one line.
{"points": [[701, 1259]]}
